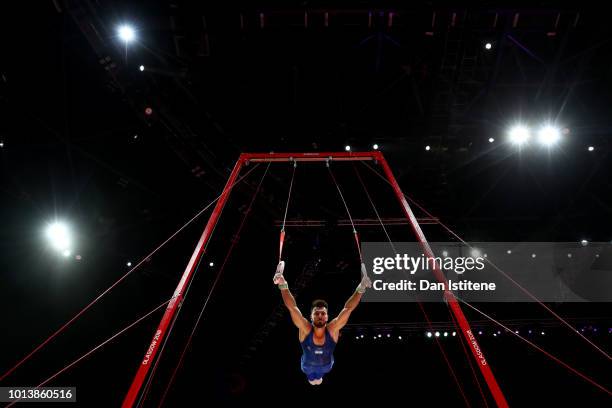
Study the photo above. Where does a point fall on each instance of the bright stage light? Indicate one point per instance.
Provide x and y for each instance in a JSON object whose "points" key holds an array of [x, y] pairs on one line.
{"points": [[141, 68], [347, 148], [375, 146], [591, 148], [437, 334], [519, 135], [59, 236], [488, 46], [129, 264], [211, 264], [428, 148], [428, 334], [549, 135], [126, 33], [66, 253], [491, 140]]}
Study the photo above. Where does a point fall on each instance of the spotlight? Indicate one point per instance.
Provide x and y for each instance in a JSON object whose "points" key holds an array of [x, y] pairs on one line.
{"points": [[59, 236], [129, 264], [445, 334], [141, 68], [437, 334], [1, 144], [488, 46], [454, 334], [66, 253], [399, 337], [375, 146], [542, 333], [362, 336], [590, 148], [445, 254], [379, 336], [126, 33], [509, 252], [78, 257], [491, 140], [494, 334], [148, 111], [519, 135], [211, 264], [480, 333], [549, 135], [347, 148], [429, 334], [533, 255], [475, 253], [388, 335], [584, 242], [516, 331], [428, 148]]}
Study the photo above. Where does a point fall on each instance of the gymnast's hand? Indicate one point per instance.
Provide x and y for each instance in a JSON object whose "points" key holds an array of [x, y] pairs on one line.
{"points": [[365, 280], [279, 279]]}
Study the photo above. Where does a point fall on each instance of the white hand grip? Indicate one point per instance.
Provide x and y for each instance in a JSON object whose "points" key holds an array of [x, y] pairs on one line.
{"points": [[280, 268]]}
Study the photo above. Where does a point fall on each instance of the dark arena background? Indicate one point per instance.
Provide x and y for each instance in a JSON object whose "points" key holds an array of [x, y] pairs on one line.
{"points": [[121, 122]]}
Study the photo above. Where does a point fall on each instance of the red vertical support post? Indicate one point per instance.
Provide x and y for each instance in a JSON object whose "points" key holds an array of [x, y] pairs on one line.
{"points": [[177, 297], [485, 369]]}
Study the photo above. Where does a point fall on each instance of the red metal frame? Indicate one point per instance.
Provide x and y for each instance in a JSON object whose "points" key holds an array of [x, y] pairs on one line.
{"points": [[485, 368], [177, 297], [244, 159]]}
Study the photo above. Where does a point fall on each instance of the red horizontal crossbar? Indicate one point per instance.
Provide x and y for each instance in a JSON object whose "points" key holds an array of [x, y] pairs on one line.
{"points": [[318, 156]]}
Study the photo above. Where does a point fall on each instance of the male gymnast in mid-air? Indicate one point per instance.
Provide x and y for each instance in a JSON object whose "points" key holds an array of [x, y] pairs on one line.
{"points": [[317, 337]]}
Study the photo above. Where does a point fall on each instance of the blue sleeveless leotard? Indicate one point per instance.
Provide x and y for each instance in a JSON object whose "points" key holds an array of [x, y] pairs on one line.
{"points": [[317, 360]]}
